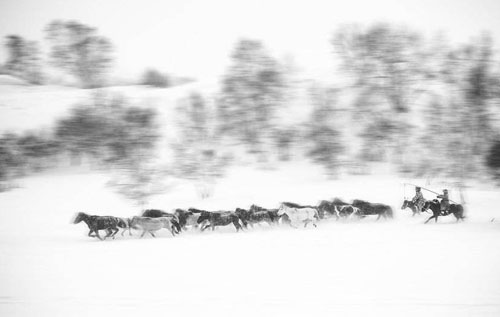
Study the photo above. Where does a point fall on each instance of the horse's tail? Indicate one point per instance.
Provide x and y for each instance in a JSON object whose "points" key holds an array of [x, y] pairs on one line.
{"points": [[388, 212]]}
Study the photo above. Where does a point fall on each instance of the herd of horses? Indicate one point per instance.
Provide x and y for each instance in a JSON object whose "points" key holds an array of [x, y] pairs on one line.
{"points": [[292, 214]]}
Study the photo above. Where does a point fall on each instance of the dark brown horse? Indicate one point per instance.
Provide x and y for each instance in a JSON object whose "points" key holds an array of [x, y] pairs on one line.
{"points": [[215, 219], [456, 209], [251, 217], [96, 223], [367, 209]]}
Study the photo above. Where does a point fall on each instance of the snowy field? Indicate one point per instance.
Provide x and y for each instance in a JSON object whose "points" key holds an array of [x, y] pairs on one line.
{"points": [[49, 267]]}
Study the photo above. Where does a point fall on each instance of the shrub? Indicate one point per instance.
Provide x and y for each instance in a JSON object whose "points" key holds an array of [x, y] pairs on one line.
{"points": [[154, 78]]}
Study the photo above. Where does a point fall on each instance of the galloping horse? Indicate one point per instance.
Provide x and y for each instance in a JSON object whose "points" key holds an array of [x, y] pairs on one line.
{"points": [[215, 219], [413, 207], [299, 214], [151, 225], [273, 213], [456, 209], [368, 208], [156, 213], [253, 217], [96, 223]]}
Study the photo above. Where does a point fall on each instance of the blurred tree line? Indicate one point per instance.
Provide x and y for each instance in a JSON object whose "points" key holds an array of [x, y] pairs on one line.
{"points": [[428, 107]]}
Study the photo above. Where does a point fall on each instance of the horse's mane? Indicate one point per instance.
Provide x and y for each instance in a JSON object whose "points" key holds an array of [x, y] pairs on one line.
{"points": [[292, 205], [196, 211]]}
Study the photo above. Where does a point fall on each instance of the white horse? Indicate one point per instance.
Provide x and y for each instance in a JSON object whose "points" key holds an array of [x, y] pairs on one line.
{"points": [[151, 225], [299, 215]]}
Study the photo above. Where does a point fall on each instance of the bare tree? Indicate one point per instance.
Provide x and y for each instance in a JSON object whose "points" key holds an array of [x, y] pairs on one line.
{"points": [[323, 136], [24, 59], [388, 67], [252, 89], [77, 49], [197, 151]]}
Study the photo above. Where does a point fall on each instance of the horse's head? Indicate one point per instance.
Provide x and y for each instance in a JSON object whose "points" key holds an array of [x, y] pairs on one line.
{"points": [[405, 204], [134, 221], [80, 217], [282, 210]]}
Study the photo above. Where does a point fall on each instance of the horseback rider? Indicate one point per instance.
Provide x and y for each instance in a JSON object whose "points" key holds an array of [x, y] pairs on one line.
{"points": [[445, 201], [419, 199]]}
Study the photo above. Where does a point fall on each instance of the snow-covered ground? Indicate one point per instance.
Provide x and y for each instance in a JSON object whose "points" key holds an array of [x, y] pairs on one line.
{"points": [[49, 267]]}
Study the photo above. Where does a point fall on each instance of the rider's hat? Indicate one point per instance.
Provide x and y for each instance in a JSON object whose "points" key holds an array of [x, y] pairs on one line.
{"points": [[417, 188], [445, 190]]}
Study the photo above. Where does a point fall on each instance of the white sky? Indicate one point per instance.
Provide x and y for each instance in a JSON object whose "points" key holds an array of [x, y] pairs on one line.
{"points": [[194, 37]]}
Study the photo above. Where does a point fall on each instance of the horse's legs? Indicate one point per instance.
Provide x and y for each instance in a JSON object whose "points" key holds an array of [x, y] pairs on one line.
{"points": [[97, 234], [143, 233], [433, 216], [379, 215], [109, 231], [172, 230], [90, 233], [151, 233]]}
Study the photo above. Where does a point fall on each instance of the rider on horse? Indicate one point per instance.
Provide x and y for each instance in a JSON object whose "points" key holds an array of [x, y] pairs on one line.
{"points": [[418, 200], [445, 201]]}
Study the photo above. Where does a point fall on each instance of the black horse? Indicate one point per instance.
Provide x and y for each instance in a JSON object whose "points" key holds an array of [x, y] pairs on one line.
{"points": [[156, 213], [413, 207], [96, 223], [273, 214], [368, 209], [456, 209], [216, 219], [253, 217]]}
